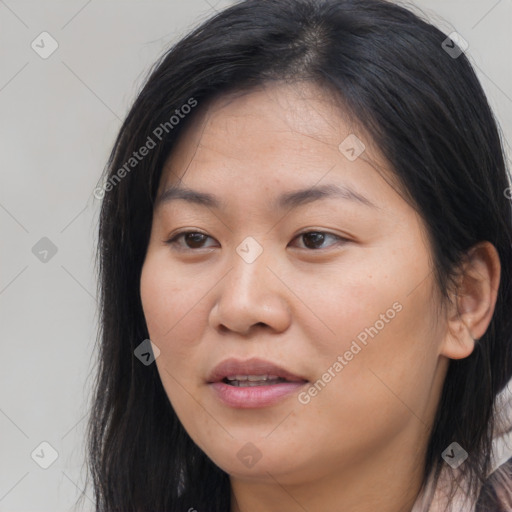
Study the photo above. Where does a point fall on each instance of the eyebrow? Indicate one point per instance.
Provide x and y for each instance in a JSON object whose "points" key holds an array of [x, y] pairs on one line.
{"points": [[289, 200]]}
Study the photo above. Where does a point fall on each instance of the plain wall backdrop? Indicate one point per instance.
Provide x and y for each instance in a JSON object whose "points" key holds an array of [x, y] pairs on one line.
{"points": [[59, 114]]}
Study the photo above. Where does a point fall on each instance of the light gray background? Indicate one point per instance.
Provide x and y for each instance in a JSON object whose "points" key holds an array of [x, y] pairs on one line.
{"points": [[58, 119]]}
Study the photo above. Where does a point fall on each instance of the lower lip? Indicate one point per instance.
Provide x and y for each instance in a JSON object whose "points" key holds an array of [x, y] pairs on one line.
{"points": [[255, 396]]}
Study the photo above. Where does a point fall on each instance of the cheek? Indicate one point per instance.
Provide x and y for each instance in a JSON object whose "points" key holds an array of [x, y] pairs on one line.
{"points": [[173, 308], [384, 384], [173, 303], [390, 377], [382, 322], [358, 300]]}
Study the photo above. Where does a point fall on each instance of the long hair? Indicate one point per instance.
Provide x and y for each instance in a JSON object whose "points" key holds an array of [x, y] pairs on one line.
{"points": [[422, 104]]}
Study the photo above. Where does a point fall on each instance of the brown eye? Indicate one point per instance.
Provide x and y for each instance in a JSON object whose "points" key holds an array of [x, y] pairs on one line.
{"points": [[315, 239], [189, 240], [194, 240]]}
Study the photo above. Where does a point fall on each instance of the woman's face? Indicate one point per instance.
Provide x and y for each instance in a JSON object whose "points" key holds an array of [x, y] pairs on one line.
{"points": [[332, 285]]}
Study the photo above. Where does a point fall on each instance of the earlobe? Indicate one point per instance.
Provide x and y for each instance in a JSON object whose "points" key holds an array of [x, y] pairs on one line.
{"points": [[474, 301]]}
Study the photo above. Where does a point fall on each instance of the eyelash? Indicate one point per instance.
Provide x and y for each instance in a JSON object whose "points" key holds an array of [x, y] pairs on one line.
{"points": [[173, 241]]}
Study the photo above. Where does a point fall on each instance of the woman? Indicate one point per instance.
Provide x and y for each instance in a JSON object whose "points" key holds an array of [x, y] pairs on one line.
{"points": [[307, 213]]}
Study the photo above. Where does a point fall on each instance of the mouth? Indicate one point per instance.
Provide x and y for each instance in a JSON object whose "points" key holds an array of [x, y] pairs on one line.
{"points": [[253, 383], [251, 372]]}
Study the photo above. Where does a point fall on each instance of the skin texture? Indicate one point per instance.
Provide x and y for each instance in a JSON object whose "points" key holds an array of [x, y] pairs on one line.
{"points": [[359, 444]]}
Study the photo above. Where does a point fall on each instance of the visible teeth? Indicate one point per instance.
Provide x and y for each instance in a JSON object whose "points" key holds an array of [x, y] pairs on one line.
{"points": [[252, 378], [255, 378], [248, 384]]}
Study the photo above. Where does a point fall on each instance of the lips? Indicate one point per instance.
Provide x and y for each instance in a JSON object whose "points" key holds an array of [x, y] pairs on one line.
{"points": [[251, 372], [253, 383]]}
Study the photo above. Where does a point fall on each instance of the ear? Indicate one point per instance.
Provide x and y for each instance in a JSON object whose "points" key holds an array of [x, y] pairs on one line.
{"points": [[473, 301]]}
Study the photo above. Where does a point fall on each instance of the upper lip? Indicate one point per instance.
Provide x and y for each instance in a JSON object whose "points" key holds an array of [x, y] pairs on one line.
{"points": [[253, 366]]}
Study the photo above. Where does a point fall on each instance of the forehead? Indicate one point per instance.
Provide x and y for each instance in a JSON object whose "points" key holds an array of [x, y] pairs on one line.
{"points": [[294, 112], [274, 137]]}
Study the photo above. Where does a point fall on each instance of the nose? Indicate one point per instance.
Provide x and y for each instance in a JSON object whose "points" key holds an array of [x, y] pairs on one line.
{"points": [[250, 296]]}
